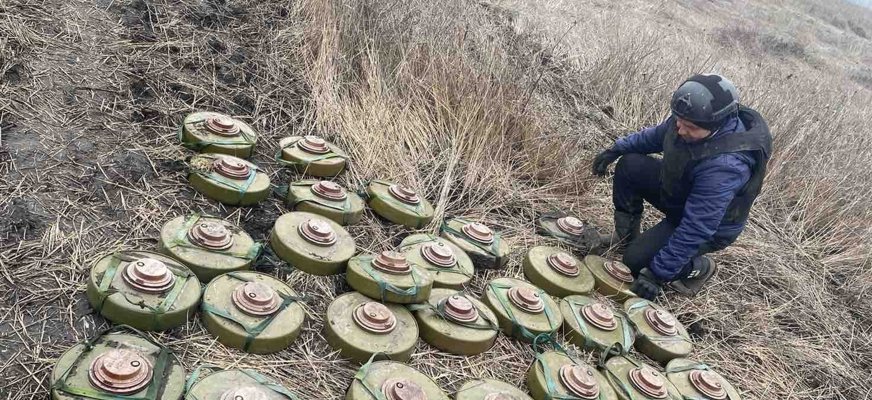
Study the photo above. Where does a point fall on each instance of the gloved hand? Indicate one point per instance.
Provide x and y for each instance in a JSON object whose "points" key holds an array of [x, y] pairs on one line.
{"points": [[646, 285], [603, 160]]}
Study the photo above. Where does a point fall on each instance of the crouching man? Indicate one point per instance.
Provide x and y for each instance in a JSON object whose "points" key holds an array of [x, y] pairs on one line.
{"points": [[714, 159]]}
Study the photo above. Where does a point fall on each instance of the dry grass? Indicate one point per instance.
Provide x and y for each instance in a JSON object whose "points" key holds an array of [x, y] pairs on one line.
{"points": [[492, 114]]}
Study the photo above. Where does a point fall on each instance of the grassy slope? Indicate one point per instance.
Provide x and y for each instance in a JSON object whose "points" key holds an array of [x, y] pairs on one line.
{"points": [[492, 114]]}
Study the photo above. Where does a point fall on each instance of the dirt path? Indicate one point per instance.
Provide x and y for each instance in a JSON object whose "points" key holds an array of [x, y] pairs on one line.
{"points": [[62, 131]]}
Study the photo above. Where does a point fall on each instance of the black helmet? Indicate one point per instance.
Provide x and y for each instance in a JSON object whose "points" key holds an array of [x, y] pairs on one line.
{"points": [[706, 100]]}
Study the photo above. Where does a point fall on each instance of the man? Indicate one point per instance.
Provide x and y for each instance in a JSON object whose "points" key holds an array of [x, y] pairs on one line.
{"points": [[714, 159]]}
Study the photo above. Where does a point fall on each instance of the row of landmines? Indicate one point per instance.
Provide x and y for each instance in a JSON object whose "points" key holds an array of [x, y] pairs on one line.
{"points": [[258, 313]]}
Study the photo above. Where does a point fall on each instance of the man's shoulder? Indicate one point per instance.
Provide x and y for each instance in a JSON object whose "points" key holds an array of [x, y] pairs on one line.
{"points": [[739, 162]]}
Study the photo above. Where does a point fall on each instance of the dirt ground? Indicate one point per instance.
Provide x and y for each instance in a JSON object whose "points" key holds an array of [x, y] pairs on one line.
{"points": [[91, 96]]}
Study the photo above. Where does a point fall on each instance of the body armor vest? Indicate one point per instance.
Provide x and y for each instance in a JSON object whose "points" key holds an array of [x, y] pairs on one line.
{"points": [[680, 157]]}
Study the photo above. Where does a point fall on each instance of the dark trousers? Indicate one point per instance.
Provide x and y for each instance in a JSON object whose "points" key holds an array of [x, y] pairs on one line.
{"points": [[637, 178]]}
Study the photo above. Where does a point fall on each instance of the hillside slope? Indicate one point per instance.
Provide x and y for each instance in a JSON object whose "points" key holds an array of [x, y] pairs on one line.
{"points": [[491, 110]]}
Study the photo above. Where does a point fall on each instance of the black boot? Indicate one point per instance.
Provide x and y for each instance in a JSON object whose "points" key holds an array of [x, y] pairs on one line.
{"points": [[702, 270], [627, 228]]}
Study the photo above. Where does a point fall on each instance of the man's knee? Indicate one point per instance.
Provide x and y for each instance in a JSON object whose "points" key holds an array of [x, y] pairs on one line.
{"points": [[630, 164]]}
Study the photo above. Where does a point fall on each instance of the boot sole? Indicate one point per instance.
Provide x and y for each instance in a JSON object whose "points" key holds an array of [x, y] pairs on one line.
{"points": [[692, 287]]}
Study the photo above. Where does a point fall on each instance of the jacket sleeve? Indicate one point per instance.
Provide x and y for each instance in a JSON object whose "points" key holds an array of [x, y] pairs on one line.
{"points": [[647, 141], [715, 183]]}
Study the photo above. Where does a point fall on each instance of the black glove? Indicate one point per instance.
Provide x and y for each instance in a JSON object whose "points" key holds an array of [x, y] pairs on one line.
{"points": [[646, 285], [603, 160]]}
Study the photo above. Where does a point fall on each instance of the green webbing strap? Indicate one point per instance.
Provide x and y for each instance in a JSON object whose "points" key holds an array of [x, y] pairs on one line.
{"points": [[439, 311], [689, 367], [252, 331], [638, 306], [427, 239], [104, 290], [200, 145], [613, 349], [613, 379], [341, 205], [617, 383], [493, 249], [262, 380], [320, 157], [384, 286], [269, 259], [181, 240], [280, 191], [158, 380], [233, 184], [451, 270], [360, 376], [499, 291], [551, 392], [418, 209], [433, 239], [195, 376]]}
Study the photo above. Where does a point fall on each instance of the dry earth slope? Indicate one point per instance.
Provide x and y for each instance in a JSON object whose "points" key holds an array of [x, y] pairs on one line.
{"points": [[492, 110]]}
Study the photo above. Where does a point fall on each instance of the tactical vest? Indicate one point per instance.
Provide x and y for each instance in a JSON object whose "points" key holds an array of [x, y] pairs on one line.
{"points": [[680, 157]]}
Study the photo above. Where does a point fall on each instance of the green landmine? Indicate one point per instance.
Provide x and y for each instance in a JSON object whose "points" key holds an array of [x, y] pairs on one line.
{"points": [[116, 365], [557, 272], [228, 180], [253, 312], [142, 289], [695, 380], [658, 334], [312, 243], [399, 204], [555, 375], [486, 248], [489, 389], [449, 265], [613, 278], [208, 246], [389, 380], [312, 155], [456, 323], [633, 380], [571, 231], [236, 384], [524, 311], [209, 132], [327, 199], [594, 326], [359, 327], [389, 277]]}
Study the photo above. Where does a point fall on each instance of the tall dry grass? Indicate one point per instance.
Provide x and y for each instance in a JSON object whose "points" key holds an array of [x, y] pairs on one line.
{"points": [[816, 191], [436, 95]]}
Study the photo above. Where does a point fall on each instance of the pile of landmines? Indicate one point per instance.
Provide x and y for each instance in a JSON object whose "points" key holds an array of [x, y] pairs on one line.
{"points": [[413, 291]]}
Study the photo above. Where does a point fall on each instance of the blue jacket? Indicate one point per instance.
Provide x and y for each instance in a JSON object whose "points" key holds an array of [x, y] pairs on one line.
{"points": [[712, 184]]}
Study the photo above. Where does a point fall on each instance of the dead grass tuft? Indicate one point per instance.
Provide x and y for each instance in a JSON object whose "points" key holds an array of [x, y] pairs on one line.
{"points": [[491, 111]]}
